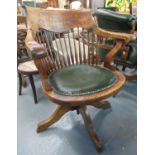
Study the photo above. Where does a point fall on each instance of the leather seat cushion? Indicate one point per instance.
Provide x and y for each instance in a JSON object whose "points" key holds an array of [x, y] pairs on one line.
{"points": [[81, 79]]}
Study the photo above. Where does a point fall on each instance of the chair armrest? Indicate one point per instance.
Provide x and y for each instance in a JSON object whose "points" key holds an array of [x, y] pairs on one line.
{"points": [[112, 53], [40, 58], [116, 35], [121, 40]]}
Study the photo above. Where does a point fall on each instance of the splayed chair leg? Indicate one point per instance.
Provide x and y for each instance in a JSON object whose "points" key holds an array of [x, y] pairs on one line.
{"points": [[90, 129], [103, 105], [59, 112]]}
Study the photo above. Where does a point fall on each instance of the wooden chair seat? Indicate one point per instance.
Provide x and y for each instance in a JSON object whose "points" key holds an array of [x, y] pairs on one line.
{"points": [[21, 27], [28, 67]]}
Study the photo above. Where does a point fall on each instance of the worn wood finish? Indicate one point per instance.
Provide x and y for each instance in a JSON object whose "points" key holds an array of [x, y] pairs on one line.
{"points": [[103, 105], [90, 129], [21, 20], [63, 20], [115, 35], [134, 77], [59, 112], [65, 38], [33, 16], [27, 67]]}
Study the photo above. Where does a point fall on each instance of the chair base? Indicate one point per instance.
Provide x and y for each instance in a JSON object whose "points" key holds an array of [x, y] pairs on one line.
{"points": [[61, 110]]}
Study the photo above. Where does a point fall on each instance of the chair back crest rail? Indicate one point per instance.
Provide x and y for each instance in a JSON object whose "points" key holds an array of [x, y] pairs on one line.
{"points": [[21, 20], [70, 37]]}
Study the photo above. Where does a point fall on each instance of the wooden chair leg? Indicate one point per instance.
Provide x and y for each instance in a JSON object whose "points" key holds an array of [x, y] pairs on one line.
{"points": [[33, 88], [123, 68], [20, 83], [24, 82], [90, 129], [103, 105], [129, 78], [59, 112]]}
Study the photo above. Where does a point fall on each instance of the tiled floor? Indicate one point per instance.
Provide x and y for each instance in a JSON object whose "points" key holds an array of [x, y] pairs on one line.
{"points": [[117, 127]]}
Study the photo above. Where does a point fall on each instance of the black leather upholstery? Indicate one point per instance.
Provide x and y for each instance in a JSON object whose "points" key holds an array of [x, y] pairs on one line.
{"points": [[81, 80]]}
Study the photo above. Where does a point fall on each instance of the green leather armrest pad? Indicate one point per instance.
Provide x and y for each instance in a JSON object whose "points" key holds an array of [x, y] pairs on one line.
{"points": [[82, 79]]}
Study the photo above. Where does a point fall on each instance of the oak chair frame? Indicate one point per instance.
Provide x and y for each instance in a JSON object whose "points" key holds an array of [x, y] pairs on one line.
{"points": [[57, 22]]}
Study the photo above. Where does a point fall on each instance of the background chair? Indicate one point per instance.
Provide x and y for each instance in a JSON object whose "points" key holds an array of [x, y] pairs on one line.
{"points": [[71, 72], [25, 64], [122, 23]]}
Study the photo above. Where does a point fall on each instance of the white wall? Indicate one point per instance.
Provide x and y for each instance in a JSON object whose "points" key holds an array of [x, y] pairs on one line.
{"points": [[96, 4], [61, 3]]}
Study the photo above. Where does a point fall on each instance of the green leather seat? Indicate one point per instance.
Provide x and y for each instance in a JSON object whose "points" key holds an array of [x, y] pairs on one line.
{"points": [[81, 79]]}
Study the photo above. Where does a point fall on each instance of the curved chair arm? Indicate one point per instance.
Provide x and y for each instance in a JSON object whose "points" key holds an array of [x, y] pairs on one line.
{"points": [[121, 40], [112, 53], [116, 35], [40, 58]]}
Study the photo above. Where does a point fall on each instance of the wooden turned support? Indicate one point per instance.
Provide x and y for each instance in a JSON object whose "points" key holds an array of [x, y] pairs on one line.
{"points": [[33, 88], [90, 129], [22, 82], [103, 105], [59, 112]]}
